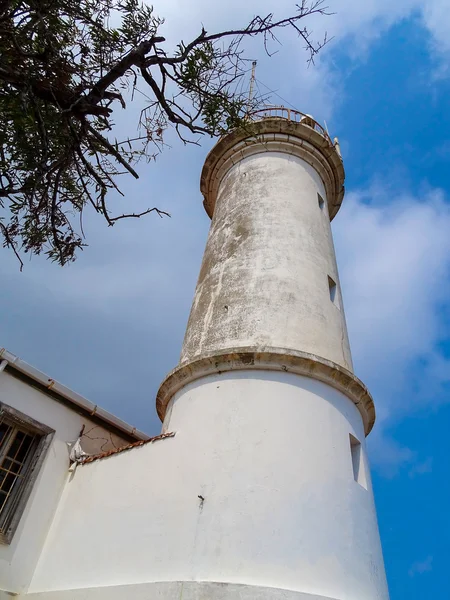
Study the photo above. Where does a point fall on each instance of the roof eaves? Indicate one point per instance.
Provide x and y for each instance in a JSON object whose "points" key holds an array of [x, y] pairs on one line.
{"points": [[58, 389]]}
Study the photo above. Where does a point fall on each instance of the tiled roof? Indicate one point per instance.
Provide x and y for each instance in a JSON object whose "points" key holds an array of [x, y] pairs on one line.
{"points": [[95, 457]]}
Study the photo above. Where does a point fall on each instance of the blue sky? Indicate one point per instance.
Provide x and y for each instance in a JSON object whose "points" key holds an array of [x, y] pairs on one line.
{"points": [[111, 325], [394, 119]]}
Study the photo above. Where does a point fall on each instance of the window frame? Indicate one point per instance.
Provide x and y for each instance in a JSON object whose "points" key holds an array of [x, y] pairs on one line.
{"points": [[21, 495]]}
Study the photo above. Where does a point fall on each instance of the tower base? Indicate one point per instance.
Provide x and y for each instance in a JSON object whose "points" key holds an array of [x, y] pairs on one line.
{"points": [[177, 590]]}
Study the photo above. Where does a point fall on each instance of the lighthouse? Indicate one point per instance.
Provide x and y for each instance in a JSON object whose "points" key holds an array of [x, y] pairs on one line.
{"points": [[271, 420], [259, 486]]}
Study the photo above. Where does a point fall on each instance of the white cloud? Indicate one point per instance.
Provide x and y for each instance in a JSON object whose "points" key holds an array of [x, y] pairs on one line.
{"points": [[393, 249], [394, 257], [421, 566], [128, 296], [387, 455], [395, 260], [354, 25], [436, 18], [421, 468], [136, 282]]}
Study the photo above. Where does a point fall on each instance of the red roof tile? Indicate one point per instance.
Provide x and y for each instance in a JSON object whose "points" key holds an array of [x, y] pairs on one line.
{"points": [[95, 457]]}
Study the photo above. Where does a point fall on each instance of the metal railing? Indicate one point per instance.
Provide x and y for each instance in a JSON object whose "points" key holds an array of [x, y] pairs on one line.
{"points": [[282, 112]]}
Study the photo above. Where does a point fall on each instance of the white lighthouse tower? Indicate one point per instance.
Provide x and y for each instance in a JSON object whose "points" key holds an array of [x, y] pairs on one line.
{"points": [[270, 419], [259, 487]]}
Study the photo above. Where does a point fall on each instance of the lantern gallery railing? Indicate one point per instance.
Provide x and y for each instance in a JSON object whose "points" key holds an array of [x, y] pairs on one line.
{"points": [[290, 114]]}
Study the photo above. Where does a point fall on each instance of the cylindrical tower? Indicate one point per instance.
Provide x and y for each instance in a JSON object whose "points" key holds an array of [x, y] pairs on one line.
{"points": [[272, 417]]}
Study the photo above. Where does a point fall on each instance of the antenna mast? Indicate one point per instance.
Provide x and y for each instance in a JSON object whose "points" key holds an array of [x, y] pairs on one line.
{"points": [[252, 87]]}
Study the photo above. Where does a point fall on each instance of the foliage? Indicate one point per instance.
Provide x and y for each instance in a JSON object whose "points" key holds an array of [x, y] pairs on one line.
{"points": [[64, 68]]}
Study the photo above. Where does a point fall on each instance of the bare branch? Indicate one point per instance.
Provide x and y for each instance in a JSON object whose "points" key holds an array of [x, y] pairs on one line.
{"points": [[159, 212], [9, 243]]}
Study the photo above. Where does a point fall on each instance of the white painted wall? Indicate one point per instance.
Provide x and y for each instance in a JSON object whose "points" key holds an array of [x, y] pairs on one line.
{"points": [[270, 454], [18, 559], [264, 277]]}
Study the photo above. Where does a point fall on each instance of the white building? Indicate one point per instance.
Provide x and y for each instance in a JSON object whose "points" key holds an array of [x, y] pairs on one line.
{"points": [[40, 420], [259, 486]]}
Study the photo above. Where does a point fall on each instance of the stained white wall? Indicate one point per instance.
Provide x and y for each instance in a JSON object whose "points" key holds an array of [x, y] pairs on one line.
{"points": [[18, 559], [264, 276], [270, 454]]}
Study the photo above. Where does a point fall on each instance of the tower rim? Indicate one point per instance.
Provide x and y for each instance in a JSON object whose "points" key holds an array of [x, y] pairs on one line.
{"points": [[268, 359], [304, 139]]}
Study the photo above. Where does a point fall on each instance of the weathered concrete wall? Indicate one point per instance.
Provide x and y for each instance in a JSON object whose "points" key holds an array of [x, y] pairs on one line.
{"points": [[18, 559], [264, 279], [256, 488]]}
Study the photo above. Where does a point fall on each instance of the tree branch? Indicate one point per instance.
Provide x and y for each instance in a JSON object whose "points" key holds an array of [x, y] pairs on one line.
{"points": [[134, 57], [104, 142], [160, 213], [10, 243]]}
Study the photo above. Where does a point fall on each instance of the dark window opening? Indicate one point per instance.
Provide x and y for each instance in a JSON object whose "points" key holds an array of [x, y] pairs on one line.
{"points": [[333, 291]]}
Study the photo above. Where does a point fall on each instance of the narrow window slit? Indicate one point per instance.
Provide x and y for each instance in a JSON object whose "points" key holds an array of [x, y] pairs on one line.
{"points": [[333, 291], [359, 469], [321, 201]]}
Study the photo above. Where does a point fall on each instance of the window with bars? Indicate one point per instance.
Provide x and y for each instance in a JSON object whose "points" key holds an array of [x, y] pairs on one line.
{"points": [[23, 442]]}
